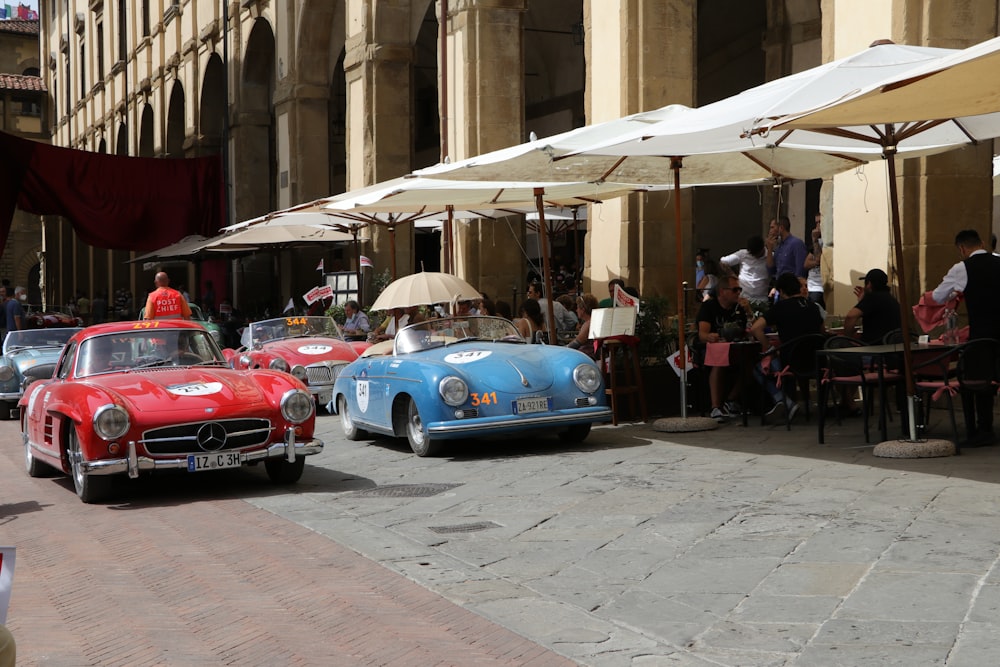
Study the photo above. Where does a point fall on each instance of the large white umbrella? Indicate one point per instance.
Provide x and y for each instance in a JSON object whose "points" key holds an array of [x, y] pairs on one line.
{"points": [[277, 235], [913, 107], [427, 287]]}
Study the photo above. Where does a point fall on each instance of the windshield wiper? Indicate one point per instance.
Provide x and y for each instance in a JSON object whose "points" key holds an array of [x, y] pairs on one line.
{"points": [[150, 364]]}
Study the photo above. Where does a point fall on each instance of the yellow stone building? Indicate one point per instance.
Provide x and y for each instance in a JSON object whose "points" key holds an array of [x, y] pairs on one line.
{"points": [[307, 98]]}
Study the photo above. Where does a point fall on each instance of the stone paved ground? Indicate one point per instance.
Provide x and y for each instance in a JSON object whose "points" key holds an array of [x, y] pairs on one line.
{"points": [[185, 572], [742, 546]]}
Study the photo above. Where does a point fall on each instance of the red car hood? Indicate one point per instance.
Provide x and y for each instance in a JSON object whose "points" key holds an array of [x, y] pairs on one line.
{"points": [[193, 389], [311, 349]]}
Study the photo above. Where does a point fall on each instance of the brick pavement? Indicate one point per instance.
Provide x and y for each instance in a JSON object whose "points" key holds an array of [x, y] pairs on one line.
{"points": [[183, 571]]}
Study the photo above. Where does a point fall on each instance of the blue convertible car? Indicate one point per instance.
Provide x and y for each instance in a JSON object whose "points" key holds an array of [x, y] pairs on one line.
{"points": [[460, 377]]}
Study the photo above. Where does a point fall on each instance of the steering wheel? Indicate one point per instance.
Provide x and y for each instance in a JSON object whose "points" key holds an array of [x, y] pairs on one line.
{"points": [[185, 359]]}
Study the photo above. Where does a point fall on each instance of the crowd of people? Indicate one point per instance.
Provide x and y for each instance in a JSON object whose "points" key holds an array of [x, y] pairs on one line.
{"points": [[774, 285]]}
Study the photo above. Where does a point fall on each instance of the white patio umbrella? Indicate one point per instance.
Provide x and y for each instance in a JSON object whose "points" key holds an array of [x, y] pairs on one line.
{"points": [[915, 107], [428, 194], [426, 287], [713, 143]]}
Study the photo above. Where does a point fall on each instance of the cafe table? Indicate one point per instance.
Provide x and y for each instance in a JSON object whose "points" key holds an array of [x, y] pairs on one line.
{"points": [[879, 354]]}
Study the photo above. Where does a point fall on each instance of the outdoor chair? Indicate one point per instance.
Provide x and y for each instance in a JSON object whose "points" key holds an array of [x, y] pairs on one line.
{"points": [[978, 367], [798, 361], [850, 370], [934, 376]]}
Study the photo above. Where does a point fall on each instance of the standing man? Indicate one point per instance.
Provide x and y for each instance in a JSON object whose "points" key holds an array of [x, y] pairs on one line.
{"points": [[14, 309], [787, 253], [876, 307], [164, 303], [976, 277]]}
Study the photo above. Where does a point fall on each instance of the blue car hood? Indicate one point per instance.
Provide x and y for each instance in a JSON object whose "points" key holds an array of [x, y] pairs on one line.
{"points": [[33, 356], [500, 367]]}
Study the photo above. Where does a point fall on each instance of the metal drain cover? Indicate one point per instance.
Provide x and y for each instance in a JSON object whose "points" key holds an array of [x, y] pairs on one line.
{"points": [[465, 527], [405, 490]]}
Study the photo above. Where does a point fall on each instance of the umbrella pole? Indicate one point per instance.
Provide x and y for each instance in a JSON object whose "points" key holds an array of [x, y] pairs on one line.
{"points": [[904, 305], [355, 230], [446, 237], [392, 249], [543, 231], [675, 165]]}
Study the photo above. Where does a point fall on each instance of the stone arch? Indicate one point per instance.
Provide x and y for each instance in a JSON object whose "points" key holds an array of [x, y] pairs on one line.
{"points": [[212, 107], [554, 67], [121, 142], [26, 268], [175, 122], [146, 127], [254, 174]]}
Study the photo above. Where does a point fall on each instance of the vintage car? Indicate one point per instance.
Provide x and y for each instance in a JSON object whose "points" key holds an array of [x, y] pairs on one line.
{"points": [[130, 398], [37, 318], [312, 348], [28, 355], [467, 376], [198, 315]]}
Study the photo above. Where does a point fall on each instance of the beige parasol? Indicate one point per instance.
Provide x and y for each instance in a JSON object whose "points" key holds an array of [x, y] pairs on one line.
{"points": [[424, 288]]}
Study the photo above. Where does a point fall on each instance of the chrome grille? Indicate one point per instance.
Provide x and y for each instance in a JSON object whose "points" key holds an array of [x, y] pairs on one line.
{"points": [[183, 438], [470, 413], [583, 402], [323, 373]]}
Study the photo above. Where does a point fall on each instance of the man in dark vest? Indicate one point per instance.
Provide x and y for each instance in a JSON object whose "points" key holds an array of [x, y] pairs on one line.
{"points": [[976, 278]]}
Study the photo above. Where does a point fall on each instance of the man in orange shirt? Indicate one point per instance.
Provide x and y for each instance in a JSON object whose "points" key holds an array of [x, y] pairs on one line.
{"points": [[164, 303]]}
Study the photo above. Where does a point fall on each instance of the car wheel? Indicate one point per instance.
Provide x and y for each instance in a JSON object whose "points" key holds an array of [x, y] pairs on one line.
{"points": [[420, 441], [575, 433], [90, 488], [351, 430], [34, 467], [280, 471]]}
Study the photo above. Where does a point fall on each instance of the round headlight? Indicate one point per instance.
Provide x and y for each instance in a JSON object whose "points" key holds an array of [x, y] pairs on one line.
{"points": [[297, 406], [6, 373], [299, 371], [278, 364], [110, 421], [587, 378], [453, 390]]}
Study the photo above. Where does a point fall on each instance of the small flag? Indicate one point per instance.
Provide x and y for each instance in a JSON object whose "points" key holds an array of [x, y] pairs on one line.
{"points": [[290, 306], [319, 267], [366, 262]]}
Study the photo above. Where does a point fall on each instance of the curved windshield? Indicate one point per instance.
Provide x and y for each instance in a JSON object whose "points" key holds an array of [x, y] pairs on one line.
{"points": [[147, 348], [18, 340], [297, 326], [440, 332]]}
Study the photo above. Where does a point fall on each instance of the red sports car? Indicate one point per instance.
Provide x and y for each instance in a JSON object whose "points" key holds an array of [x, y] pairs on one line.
{"points": [[311, 348], [36, 318], [137, 397]]}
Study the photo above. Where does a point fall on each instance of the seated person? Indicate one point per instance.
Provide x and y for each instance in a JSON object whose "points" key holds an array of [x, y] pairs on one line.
{"points": [[585, 305], [356, 323], [723, 317], [394, 321], [530, 322], [876, 307], [793, 316]]}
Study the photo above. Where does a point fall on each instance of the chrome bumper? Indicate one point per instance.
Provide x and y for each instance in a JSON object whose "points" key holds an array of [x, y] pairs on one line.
{"points": [[133, 464], [457, 428]]}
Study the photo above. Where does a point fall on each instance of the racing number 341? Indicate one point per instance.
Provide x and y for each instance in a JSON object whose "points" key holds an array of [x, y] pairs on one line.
{"points": [[490, 397]]}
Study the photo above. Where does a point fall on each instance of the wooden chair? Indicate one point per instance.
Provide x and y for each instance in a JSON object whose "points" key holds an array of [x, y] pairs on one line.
{"points": [[619, 360]]}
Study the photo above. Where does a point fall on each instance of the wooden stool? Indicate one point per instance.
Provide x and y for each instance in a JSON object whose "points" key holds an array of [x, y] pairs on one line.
{"points": [[624, 382]]}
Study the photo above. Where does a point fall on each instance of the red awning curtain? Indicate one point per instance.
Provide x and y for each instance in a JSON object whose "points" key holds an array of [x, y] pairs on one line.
{"points": [[114, 202]]}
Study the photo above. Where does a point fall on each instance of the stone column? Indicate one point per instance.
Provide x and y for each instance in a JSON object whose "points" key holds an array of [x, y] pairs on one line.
{"points": [[640, 56], [379, 142], [485, 113]]}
